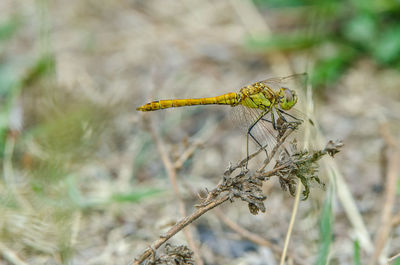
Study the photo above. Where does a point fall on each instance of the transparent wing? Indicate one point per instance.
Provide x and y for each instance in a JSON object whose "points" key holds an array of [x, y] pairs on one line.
{"points": [[297, 82], [262, 133]]}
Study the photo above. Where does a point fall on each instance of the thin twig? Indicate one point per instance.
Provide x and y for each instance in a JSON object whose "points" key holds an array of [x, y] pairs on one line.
{"points": [[394, 257], [281, 140], [10, 255], [291, 224], [243, 162], [383, 232], [9, 175], [246, 233], [187, 154], [178, 227], [173, 178], [396, 219]]}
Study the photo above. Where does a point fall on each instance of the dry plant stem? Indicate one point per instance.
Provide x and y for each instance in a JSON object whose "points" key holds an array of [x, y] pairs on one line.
{"points": [[253, 237], [396, 219], [383, 232], [214, 197], [245, 233], [275, 149], [347, 201], [8, 172], [209, 203], [242, 163], [76, 224], [179, 226], [172, 176], [188, 153], [291, 224], [394, 257], [10, 255]]}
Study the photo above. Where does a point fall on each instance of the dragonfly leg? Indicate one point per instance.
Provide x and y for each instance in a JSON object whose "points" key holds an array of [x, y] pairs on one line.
{"points": [[266, 120], [292, 124], [273, 121], [290, 115], [252, 136]]}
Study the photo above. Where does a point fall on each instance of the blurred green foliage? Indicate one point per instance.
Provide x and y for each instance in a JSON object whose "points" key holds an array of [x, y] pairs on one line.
{"points": [[11, 84], [8, 79], [63, 128], [335, 33], [136, 196], [13, 80], [9, 28]]}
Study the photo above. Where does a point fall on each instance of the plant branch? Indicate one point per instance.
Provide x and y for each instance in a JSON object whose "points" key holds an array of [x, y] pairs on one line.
{"points": [[245, 185], [187, 154]]}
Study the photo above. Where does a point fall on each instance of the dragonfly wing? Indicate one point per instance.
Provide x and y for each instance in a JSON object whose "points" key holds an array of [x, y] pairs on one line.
{"points": [[297, 82], [262, 131]]}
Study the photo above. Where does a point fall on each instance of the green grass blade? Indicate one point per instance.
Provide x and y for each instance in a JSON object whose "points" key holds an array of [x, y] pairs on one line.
{"points": [[325, 231], [357, 260]]}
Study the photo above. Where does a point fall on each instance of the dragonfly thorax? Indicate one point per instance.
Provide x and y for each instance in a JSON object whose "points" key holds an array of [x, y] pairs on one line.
{"points": [[258, 96]]}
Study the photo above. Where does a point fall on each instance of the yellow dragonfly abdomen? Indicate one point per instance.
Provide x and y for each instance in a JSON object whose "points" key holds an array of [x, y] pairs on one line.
{"points": [[225, 99]]}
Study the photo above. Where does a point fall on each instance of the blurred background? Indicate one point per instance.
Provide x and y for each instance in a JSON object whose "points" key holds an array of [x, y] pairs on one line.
{"points": [[82, 180]]}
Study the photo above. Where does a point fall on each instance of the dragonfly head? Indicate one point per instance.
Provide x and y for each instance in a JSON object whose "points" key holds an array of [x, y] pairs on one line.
{"points": [[287, 98]]}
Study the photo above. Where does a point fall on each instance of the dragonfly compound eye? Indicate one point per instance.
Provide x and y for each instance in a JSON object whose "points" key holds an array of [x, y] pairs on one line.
{"points": [[288, 98]]}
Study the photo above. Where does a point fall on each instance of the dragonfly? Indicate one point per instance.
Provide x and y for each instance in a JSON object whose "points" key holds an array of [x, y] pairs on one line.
{"points": [[264, 104]]}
